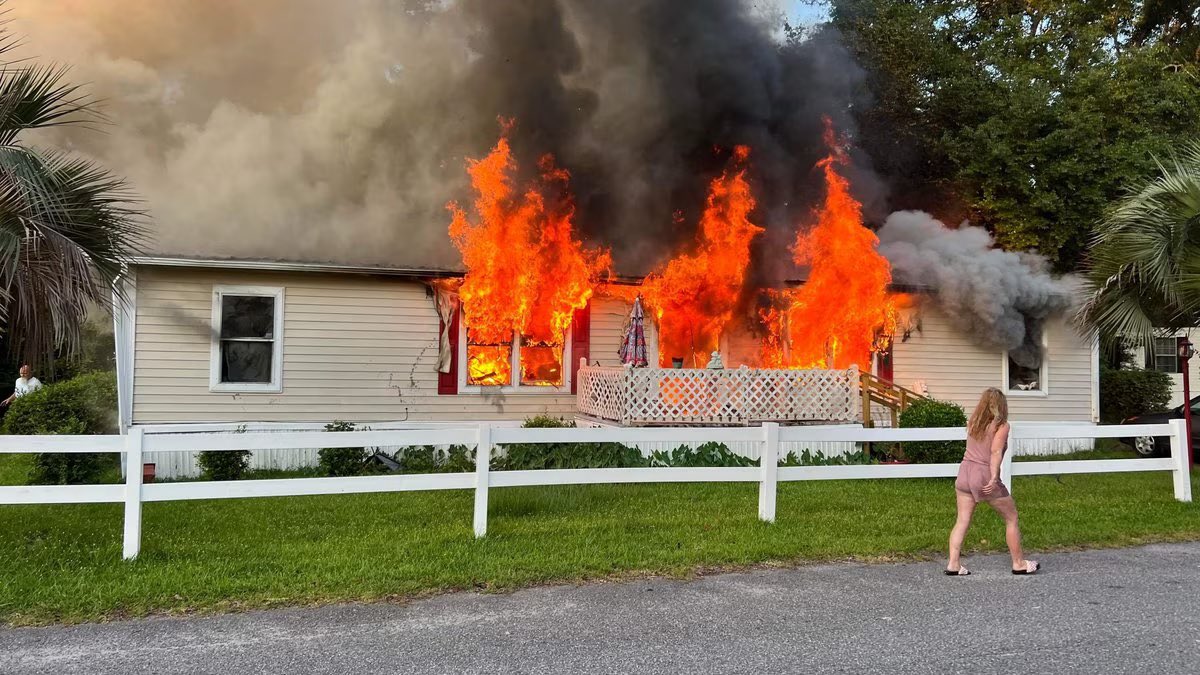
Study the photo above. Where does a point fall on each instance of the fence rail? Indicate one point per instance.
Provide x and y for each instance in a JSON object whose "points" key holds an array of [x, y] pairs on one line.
{"points": [[485, 436]]}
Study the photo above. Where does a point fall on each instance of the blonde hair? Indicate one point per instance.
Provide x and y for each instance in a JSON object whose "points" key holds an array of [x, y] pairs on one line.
{"points": [[992, 410]]}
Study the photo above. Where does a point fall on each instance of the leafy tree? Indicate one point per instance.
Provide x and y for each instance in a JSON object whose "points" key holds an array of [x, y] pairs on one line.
{"points": [[1026, 117], [1144, 267], [66, 225]]}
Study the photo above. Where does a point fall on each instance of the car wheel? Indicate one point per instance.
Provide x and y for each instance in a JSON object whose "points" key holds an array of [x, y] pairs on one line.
{"points": [[1144, 445], [1149, 446]]}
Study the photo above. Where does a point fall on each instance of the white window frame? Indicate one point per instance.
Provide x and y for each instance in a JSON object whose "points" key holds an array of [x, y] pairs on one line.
{"points": [[515, 360], [1043, 376], [276, 384]]}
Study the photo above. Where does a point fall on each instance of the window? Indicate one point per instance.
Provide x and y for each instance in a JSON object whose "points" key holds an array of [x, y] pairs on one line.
{"points": [[1166, 355], [526, 365], [1025, 369], [247, 346]]}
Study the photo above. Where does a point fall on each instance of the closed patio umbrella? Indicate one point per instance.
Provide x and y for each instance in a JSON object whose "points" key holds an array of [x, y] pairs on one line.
{"points": [[633, 345]]}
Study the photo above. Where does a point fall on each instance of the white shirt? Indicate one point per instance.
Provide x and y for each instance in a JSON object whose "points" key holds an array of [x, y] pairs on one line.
{"points": [[25, 386]]}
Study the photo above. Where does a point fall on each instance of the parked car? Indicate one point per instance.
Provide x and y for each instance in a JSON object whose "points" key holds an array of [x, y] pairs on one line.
{"points": [[1160, 446]]}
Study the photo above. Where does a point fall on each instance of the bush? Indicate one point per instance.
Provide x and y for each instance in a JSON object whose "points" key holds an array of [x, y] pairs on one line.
{"points": [[930, 413], [708, 454], [342, 461], [1126, 393], [428, 459], [223, 464], [529, 456], [86, 404], [818, 458]]}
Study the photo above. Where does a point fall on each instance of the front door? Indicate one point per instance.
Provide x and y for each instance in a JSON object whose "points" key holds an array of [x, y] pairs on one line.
{"points": [[883, 363]]}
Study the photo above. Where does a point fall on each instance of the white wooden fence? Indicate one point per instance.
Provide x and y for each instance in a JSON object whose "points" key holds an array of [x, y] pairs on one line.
{"points": [[484, 436]]}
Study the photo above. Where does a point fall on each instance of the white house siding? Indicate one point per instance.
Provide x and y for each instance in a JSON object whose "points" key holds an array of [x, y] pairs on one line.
{"points": [[953, 368], [354, 348]]}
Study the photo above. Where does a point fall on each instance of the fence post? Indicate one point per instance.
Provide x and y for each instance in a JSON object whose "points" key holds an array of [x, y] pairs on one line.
{"points": [[769, 461], [133, 493], [1179, 455], [483, 458]]}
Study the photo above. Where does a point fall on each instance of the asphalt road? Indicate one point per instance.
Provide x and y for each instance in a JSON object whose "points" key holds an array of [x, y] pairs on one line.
{"points": [[1122, 611]]}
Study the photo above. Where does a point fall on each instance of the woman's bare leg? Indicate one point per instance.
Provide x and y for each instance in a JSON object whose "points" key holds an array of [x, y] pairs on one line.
{"points": [[966, 508], [1007, 508]]}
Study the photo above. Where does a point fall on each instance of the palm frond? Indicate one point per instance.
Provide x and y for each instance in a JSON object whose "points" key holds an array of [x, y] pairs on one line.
{"points": [[1143, 269], [33, 97], [67, 230]]}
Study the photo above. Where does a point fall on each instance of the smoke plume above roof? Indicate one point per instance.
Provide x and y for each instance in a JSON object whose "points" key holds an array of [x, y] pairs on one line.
{"points": [[337, 131]]}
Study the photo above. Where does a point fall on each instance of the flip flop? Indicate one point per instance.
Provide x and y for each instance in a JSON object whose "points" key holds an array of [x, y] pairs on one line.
{"points": [[1031, 567], [961, 572]]}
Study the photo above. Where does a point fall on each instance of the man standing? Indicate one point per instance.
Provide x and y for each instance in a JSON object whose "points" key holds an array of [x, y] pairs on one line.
{"points": [[26, 383]]}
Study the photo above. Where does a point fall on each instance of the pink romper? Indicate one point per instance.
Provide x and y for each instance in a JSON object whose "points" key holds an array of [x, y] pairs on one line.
{"points": [[975, 470]]}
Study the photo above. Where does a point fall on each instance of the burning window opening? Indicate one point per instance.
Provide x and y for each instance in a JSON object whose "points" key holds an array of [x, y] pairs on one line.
{"points": [[533, 364], [526, 273], [489, 365], [541, 364], [1026, 365]]}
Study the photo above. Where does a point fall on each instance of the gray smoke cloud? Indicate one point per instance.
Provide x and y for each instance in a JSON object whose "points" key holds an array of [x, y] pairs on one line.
{"points": [[337, 131], [999, 297]]}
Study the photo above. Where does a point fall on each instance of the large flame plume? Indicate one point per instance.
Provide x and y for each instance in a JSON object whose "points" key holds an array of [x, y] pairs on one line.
{"points": [[695, 296], [526, 272], [844, 310]]}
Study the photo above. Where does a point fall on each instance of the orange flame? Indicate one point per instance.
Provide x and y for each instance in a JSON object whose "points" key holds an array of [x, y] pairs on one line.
{"points": [[526, 273], [838, 316], [695, 296]]}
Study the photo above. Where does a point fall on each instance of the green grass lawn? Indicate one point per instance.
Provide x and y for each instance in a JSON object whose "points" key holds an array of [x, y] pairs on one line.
{"points": [[62, 562]]}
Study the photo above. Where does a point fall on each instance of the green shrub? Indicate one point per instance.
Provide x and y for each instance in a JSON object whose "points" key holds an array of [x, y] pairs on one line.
{"points": [[531, 456], [223, 464], [1126, 393], [342, 461], [458, 459], [818, 458], [930, 413], [428, 459], [418, 459], [86, 404], [708, 454]]}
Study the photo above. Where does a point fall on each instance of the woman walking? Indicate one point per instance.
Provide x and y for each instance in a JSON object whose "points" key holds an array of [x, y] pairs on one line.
{"points": [[979, 481]]}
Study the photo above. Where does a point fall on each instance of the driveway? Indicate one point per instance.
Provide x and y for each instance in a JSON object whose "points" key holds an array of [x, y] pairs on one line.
{"points": [[1118, 611]]}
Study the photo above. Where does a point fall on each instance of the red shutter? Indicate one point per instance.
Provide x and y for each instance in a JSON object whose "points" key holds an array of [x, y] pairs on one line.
{"points": [[448, 382], [581, 342]]}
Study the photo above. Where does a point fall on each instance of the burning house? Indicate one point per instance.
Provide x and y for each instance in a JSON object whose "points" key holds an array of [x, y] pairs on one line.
{"points": [[339, 234], [533, 322]]}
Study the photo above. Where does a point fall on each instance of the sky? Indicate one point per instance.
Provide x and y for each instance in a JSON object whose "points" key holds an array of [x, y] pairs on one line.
{"points": [[799, 11]]}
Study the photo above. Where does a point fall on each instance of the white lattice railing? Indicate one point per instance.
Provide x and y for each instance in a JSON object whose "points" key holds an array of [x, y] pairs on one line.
{"points": [[651, 396]]}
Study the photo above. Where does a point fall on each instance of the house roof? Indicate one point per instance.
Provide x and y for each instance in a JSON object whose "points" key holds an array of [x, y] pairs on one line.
{"points": [[382, 270], [290, 266]]}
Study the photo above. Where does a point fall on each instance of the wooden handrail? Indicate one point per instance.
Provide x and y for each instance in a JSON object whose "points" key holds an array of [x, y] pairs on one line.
{"points": [[890, 395]]}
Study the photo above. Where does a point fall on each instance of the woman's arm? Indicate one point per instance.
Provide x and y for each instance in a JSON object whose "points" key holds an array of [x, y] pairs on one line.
{"points": [[998, 444]]}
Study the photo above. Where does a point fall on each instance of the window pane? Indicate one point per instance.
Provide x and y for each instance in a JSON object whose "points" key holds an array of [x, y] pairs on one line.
{"points": [[489, 365], [1021, 378], [1166, 364], [541, 366], [1166, 346], [245, 316], [246, 361]]}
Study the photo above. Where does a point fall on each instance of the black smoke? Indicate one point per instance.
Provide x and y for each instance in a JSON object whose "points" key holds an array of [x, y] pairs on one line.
{"points": [[337, 131]]}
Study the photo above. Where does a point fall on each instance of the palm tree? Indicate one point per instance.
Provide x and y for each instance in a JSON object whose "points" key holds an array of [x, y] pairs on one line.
{"points": [[67, 226], [1144, 264]]}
